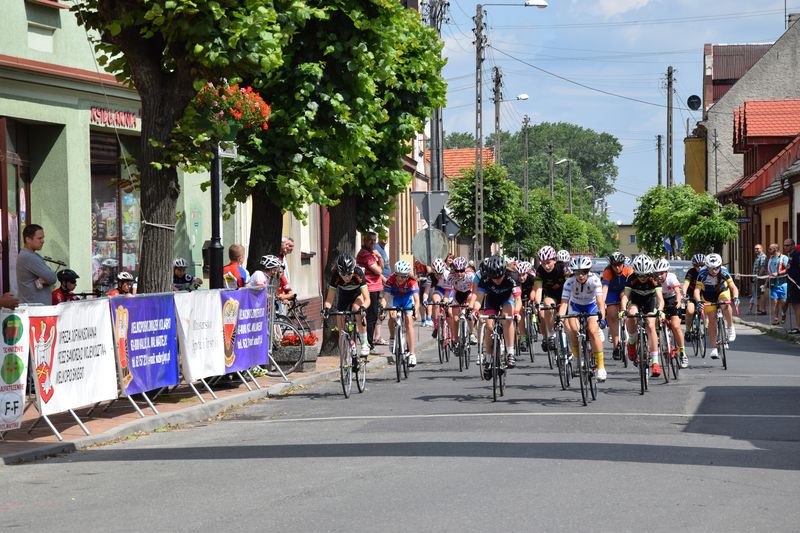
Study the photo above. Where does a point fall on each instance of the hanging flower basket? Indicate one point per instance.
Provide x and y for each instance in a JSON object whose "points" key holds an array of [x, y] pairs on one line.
{"points": [[224, 110]]}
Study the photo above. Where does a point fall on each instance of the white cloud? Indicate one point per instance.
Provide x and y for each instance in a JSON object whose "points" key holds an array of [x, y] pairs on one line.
{"points": [[611, 8]]}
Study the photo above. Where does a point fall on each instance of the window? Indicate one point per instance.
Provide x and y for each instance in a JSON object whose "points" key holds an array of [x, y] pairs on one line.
{"points": [[632, 239]]}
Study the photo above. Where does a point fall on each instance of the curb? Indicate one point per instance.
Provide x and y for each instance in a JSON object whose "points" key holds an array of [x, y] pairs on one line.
{"points": [[769, 330]]}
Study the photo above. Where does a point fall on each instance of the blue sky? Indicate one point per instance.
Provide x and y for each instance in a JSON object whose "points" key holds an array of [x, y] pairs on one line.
{"points": [[619, 46]]}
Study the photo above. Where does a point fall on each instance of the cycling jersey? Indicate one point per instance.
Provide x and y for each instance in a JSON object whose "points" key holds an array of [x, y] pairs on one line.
{"points": [[182, 283], [615, 283], [691, 277], [461, 284], [641, 288], [527, 286], [711, 286], [670, 286], [60, 295], [348, 291], [582, 293], [497, 295], [402, 292], [260, 279], [238, 274], [552, 282]]}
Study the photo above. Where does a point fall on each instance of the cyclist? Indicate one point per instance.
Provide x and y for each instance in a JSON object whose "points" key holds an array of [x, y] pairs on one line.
{"points": [[715, 285], [499, 294], [181, 281], [526, 283], [614, 277], [460, 291], [583, 293], [563, 257], [671, 290], [643, 294], [548, 284], [422, 272], [440, 289], [405, 293], [270, 268], [350, 284], [64, 293], [689, 283], [124, 285]]}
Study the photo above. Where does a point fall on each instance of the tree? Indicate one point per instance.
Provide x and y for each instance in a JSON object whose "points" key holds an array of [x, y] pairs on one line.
{"points": [[698, 219], [459, 139], [501, 203], [167, 49], [541, 225]]}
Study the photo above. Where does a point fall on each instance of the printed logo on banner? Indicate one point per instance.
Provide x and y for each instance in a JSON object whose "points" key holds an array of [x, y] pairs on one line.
{"points": [[121, 327], [43, 339], [13, 376], [230, 317], [12, 330]]}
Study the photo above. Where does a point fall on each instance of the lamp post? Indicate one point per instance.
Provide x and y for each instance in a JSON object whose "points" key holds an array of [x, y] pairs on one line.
{"points": [[498, 99], [569, 179], [586, 189], [480, 44]]}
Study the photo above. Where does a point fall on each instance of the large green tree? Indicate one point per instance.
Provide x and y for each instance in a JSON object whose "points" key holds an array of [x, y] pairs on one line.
{"points": [[166, 49], [459, 139]]}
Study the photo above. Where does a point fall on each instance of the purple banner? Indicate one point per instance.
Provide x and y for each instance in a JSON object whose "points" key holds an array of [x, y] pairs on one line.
{"points": [[145, 340], [244, 328]]}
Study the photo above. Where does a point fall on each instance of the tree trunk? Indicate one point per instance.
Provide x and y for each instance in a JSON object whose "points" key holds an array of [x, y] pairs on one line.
{"points": [[266, 228], [342, 238]]}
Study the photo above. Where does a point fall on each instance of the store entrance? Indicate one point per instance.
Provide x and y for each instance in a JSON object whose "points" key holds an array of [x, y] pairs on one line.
{"points": [[15, 208]]}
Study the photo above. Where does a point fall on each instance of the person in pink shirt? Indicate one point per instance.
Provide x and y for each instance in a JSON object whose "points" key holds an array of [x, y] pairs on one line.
{"points": [[371, 261]]}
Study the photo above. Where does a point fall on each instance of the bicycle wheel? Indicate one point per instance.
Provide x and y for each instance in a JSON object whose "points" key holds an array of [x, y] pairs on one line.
{"points": [[467, 346], [664, 350], [722, 334], [583, 365], [440, 342], [397, 351], [345, 369], [278, 352], [641, 352], [360, 371], [404, 356], [495, 366], [622, 335], [447, 339], [592, 376], [695, 337], [701, 333], [674, 356], [461, 344]]}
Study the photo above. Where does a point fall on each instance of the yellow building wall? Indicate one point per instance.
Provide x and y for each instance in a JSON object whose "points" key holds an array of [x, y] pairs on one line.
{"points": [[624, 233], [694, 165], [778, 209]]}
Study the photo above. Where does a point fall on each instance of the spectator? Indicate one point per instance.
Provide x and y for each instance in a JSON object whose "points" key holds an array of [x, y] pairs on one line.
{"points": [[65, 293], [234, 273], [381, 249], [34, 277], [777, 287], [759, 269], [370, 260], [793, 275], [9, 300], [287, 245], [125, 285]]}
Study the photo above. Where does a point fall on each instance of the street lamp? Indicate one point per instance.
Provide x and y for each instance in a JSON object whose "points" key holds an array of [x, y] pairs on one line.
{"points": [[586, 189], [497, 101], [480, 44], [569, 179]]}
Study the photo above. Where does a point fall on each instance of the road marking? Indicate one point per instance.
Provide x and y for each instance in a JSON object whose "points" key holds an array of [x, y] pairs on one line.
{"points": [[477, 415]]}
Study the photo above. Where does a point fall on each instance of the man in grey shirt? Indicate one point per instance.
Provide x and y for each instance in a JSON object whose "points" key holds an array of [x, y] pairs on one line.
{"points": [[35, 280]]}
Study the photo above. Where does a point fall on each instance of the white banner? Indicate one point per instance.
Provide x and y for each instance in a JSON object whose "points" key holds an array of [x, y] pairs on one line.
{"points": [[200, 334], [73, 352], [13, 367]]}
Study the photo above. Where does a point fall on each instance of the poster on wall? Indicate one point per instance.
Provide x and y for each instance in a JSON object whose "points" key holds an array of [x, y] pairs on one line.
{"points": [[200, 334], [73, 351], [145, 340], [13, 367], [244, 328]]}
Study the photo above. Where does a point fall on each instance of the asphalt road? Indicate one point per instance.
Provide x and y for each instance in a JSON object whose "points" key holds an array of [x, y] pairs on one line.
{"points": [[716, 451]]}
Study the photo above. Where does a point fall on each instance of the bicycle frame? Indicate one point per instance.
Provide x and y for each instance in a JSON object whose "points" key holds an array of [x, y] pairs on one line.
{"points": [[400, 348], [586, 363]]}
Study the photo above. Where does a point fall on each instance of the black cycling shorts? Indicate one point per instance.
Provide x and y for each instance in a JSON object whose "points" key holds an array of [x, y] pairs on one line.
{"points": [[646, 304], [671, 307], [345, 299], [461, 297]]}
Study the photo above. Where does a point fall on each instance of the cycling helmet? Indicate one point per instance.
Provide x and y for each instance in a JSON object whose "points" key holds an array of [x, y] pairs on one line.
{"points": [[662, 265], [123, 277], [460, 264], [562, 256], [495, 267], [580, 262], [345, 264], [402, 267], [642, 265], [180, 262], [523, 267], [67, 275], [617, 258], [439, 266], [714, 261], [546, 253], [270, 261], [698, 260]]}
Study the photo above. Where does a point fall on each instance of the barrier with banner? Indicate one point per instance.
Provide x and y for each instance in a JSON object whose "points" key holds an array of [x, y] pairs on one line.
{"points": [[145, 339], [244, 327], [13, 367], [73, 353], [200, 334]]}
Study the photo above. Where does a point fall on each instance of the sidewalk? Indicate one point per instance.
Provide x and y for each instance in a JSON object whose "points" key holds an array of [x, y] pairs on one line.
{"points": [[763, 323], [119, 420]]}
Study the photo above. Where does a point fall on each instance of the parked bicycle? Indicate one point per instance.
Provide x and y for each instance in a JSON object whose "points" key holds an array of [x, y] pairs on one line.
{"points": [[295, 313]]}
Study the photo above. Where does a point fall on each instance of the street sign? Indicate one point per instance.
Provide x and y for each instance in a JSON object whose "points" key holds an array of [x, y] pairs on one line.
{"points": [[439, 245], [744, 220], [451, 229], [437, 200]]}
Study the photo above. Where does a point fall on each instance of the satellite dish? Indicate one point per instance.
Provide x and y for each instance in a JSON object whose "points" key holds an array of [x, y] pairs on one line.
{"points": [[694, 102]]}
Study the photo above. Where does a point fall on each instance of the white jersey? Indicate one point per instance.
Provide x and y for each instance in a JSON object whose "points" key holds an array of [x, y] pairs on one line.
{"points": [[443, 280], [461, 284], [670, 285], [582, 293], [258, 279]]}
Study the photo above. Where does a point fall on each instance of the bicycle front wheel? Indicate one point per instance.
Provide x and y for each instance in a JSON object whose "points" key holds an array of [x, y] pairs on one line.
{"points": [[397, 353], [345, 367], [664, 350], [361, 372], [583, 368], [642, 356], [495, 364], [722, 334], [284, 357]]}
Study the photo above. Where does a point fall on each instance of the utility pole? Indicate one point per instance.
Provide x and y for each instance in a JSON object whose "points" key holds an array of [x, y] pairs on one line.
{"points": [[497, 79], [435, 14], [550, 149], [525, 124], [569, 178], [716, 149], [669, 126], [480, 43], [658, 145]]}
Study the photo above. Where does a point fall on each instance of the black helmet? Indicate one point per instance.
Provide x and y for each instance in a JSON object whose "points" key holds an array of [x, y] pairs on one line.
{"points": [[617, 258], [345, 264], [67, 275], [495, 267]]}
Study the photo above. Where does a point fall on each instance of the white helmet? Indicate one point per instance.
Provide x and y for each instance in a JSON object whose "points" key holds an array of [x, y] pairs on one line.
{"points": [[123, 277], [438, 266], [562, 256], [580, 262], [662, 265], [642, 265], [546, 253], [270, 261], [402, 267], [713, 261], [180, 262], [523, 267]]}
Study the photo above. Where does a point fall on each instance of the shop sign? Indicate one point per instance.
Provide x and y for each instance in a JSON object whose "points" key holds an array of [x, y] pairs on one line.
{"points": [[112, 118]]}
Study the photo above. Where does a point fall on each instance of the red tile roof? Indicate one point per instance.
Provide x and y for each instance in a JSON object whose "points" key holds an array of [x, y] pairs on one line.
{"points": [[752, 186], [765, 118], [458, 159]]}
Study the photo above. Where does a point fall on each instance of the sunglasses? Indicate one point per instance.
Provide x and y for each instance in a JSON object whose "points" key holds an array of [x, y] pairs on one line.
{"points": [[581, 272], [401, 276]]}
